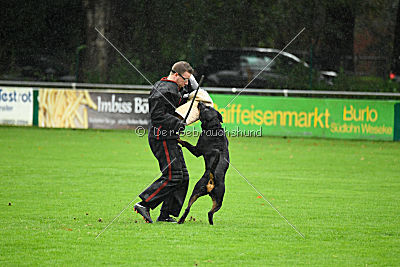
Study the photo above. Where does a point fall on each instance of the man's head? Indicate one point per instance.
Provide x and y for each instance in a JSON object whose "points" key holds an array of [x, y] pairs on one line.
{"points": [[180, 73]]}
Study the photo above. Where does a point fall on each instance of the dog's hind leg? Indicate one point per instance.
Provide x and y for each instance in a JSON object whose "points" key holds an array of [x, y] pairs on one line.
{"points": [[199, 190], [217, 196], [216, 206], [192, 199], [211, 175]]}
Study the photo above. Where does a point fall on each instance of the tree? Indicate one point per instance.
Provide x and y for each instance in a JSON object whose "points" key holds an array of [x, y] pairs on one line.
{"points": [[395, 62], [338, 35], [29, 30], [97, 52]]}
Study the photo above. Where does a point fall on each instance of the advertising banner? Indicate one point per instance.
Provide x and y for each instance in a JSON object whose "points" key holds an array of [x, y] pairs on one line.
{"points": [[119, 111], [335, 118], [99, 110], [16, 106], [243, 115]]}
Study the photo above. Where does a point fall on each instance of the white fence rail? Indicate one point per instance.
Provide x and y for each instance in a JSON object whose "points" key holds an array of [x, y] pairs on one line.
{"points": [[140, 89]]}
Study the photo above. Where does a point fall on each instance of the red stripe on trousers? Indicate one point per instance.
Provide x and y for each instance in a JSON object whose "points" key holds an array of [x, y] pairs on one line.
{"points": [[158, 133], [169, 173]]}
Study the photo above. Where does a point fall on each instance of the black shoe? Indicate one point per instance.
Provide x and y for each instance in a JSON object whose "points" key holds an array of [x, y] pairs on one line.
{"points": [[166, 219], [144, 211]]}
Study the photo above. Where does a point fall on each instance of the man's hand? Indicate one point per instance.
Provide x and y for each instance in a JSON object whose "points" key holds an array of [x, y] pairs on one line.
{"points": [[185, 97], [189, 87], [193, 83]]}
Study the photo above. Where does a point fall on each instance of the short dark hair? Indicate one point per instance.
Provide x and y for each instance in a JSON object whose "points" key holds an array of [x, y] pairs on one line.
{"points": [[181, 67]]}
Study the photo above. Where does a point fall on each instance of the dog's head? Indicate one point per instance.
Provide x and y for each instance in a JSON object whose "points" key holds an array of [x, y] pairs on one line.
{"points": [[209, 117]]}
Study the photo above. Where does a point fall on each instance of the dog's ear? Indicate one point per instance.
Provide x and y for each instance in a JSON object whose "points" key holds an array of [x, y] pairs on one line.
{"points": [[219, 117]]}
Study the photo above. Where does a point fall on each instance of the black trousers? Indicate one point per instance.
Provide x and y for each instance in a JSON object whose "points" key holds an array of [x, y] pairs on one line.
{"points": [[171, 188]]}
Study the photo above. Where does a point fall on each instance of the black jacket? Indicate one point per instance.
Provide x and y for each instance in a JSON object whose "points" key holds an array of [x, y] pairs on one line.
{"points": [[164, 124]]}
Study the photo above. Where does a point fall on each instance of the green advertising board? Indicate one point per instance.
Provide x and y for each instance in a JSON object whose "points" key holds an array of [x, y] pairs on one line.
{"points": [[328, 118], [245, 115]]}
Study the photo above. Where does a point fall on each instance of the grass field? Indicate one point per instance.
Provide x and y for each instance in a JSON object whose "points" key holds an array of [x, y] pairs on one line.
{"points": [[55, 185]]}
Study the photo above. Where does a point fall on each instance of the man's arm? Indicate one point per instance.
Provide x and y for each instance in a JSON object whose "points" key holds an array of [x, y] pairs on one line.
{"points": [[160, 116]]}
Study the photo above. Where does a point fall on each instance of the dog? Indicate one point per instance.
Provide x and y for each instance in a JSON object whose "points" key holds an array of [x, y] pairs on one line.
{"points": [[213, 146]]}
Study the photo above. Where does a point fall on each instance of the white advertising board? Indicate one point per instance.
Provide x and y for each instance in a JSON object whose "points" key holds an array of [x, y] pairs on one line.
{"points": [[16, 106]]}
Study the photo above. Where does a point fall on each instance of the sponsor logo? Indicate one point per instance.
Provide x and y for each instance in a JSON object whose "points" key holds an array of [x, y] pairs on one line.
{"points": [[113, 106], [15, 96], [118, 105]]}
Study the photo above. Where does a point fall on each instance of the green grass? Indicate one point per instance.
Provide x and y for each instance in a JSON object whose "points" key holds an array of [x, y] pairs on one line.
{"points": [[344, 196]]}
